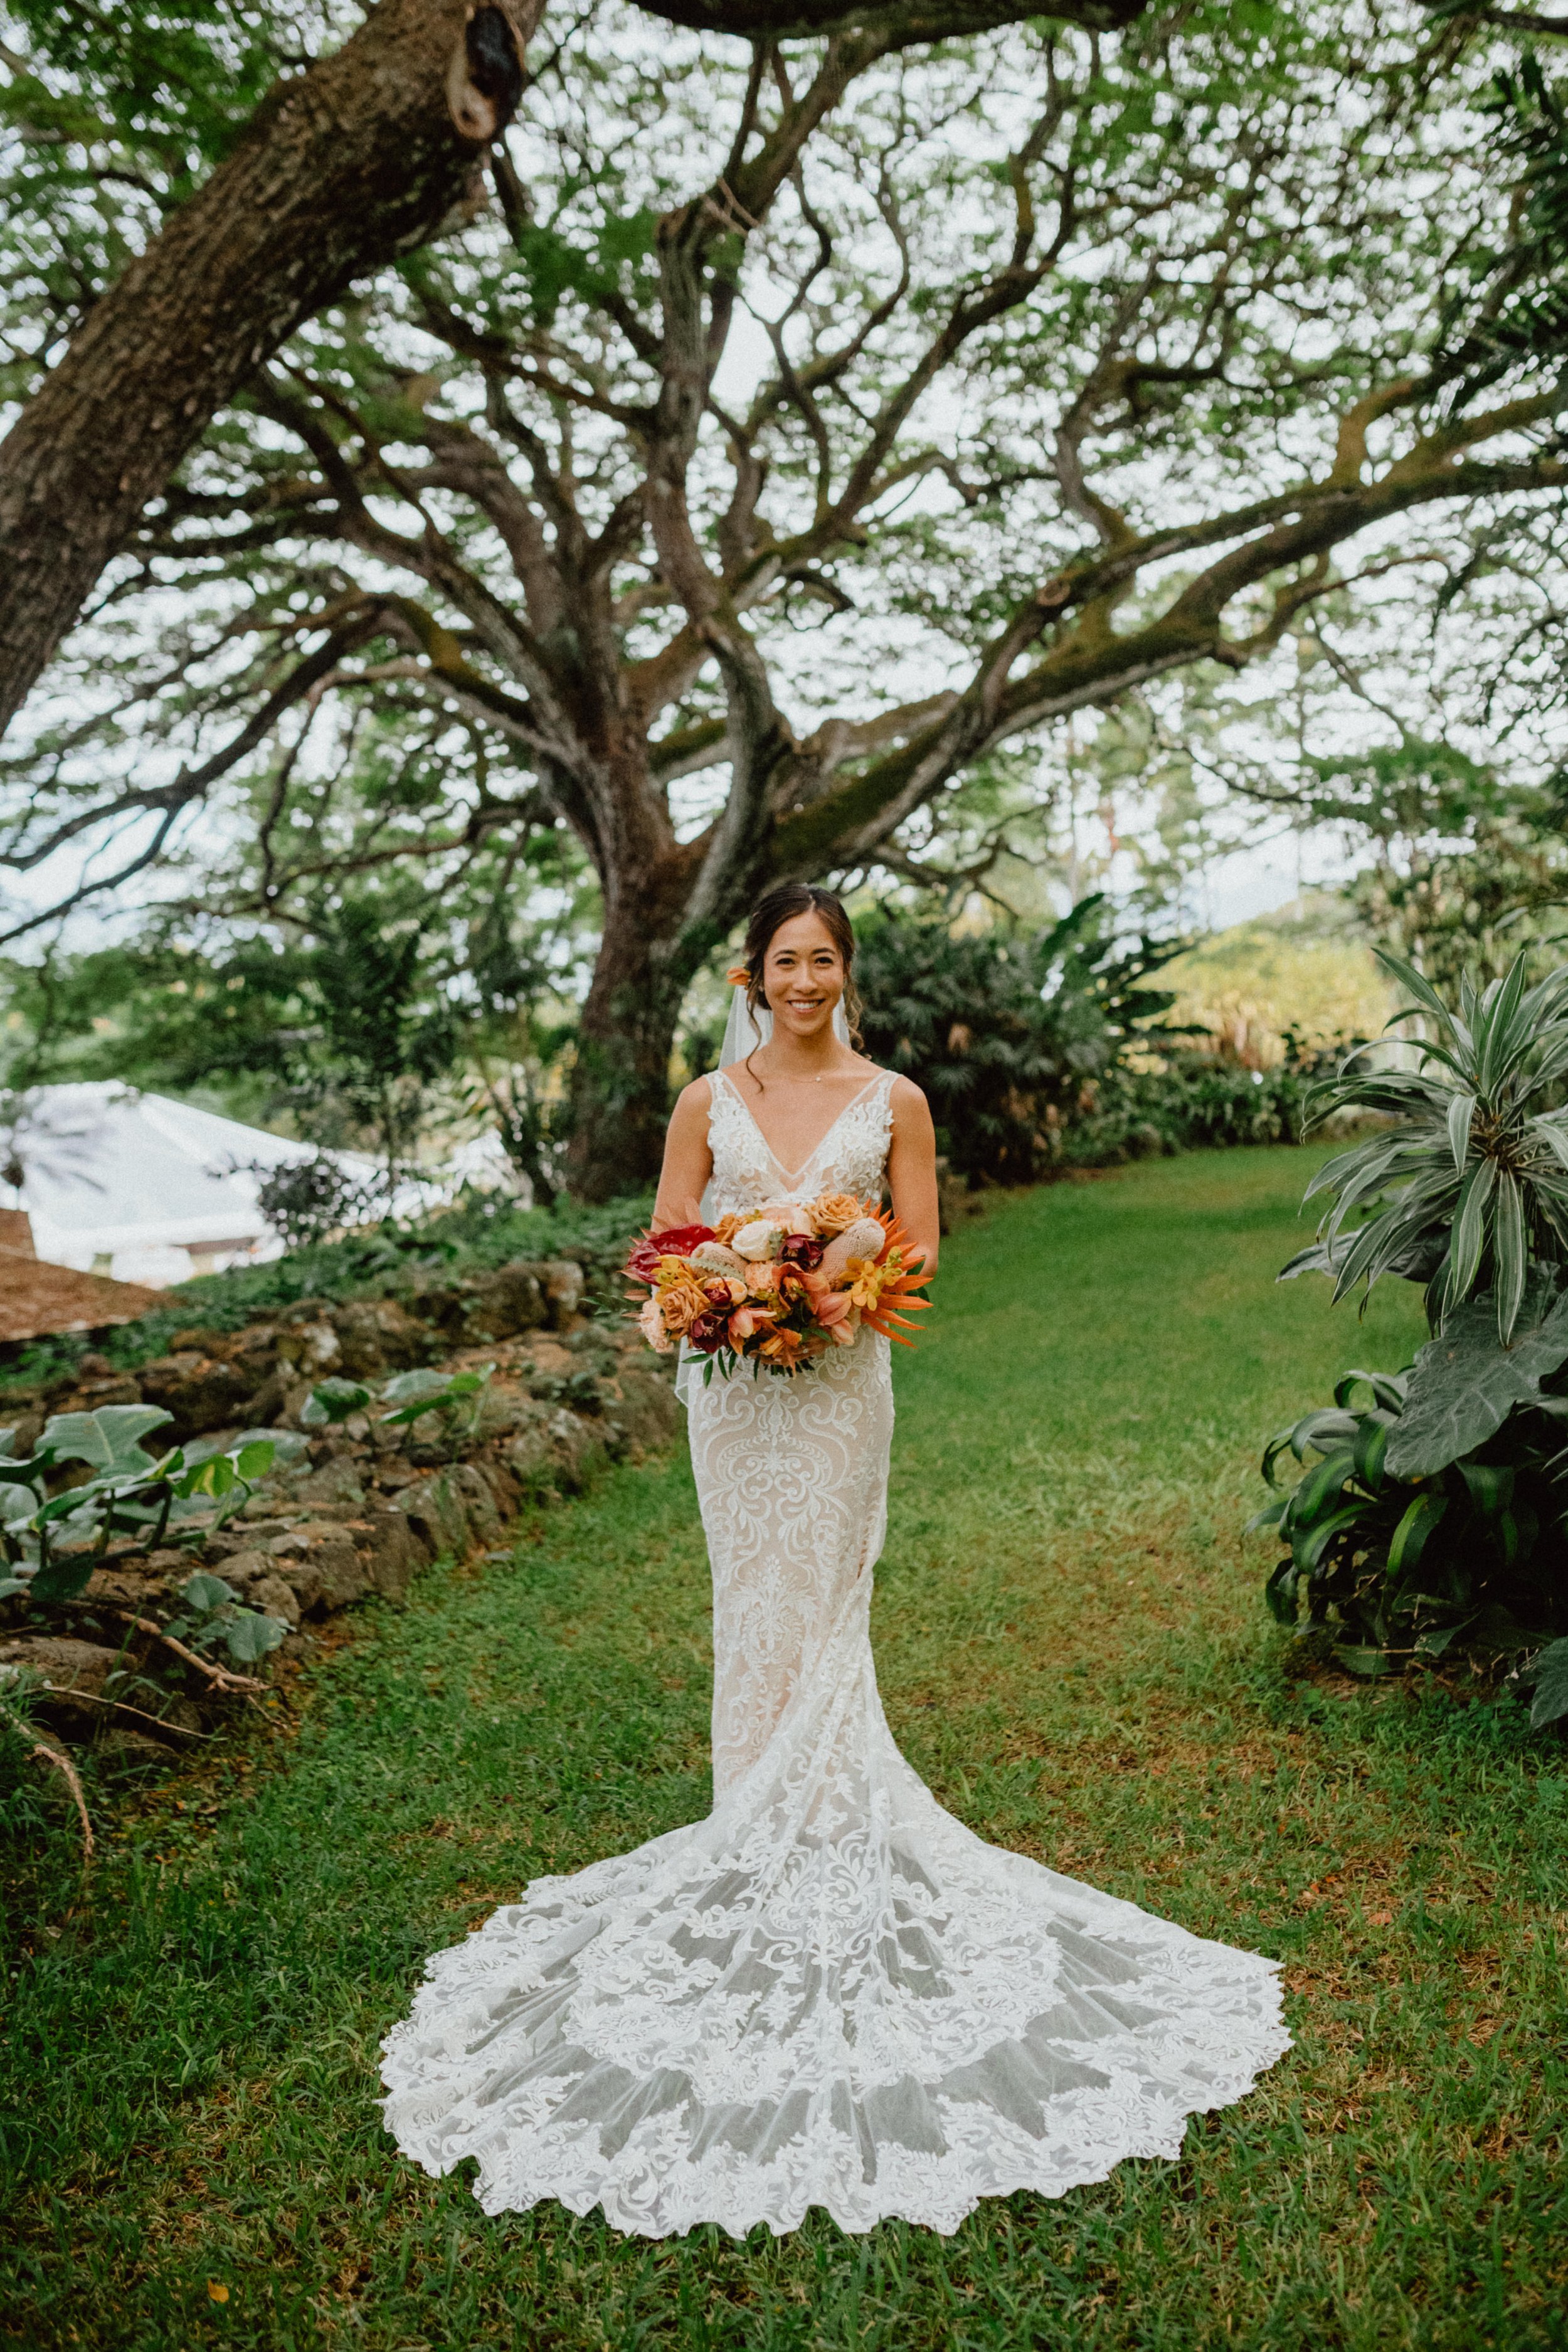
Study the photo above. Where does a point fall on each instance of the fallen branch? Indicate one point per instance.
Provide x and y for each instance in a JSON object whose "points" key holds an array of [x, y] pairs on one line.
{"points": [[122, 1707], [63, 1765], [221, 1677]]}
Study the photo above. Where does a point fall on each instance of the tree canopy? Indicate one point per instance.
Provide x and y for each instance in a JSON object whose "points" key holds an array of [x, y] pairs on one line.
{"points": [[799, 425]]}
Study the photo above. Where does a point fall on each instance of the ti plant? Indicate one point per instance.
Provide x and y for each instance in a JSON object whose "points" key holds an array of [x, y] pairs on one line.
{"points": [[1470, 1186]]}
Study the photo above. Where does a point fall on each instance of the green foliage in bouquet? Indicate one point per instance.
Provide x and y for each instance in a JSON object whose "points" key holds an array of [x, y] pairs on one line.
{"points": [[1006, 1035]]}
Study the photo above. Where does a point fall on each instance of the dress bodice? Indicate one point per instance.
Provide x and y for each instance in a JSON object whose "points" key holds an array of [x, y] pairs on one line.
{"points": [[852, 1157]]}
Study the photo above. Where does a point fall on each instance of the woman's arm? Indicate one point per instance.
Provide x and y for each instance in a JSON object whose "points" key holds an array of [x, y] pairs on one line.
{"points": [[688, 1162], [911, 1171]]}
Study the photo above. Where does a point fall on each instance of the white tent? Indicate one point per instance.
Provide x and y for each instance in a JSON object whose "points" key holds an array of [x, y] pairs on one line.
{"points": [[151, 1191]]}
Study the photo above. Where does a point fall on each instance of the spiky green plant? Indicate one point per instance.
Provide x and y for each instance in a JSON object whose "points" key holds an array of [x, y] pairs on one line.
{"points": [[1471, 1185]]}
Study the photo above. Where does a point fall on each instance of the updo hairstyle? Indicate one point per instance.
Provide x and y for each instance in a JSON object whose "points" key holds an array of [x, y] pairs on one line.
{"points": [[781, 905]]}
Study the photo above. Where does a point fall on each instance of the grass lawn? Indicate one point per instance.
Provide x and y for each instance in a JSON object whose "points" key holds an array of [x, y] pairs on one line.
{"points": [[1074, 1653]]}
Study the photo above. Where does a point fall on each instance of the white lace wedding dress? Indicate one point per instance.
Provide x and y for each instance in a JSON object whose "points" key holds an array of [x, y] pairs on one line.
{"points": [[829, 1993]]}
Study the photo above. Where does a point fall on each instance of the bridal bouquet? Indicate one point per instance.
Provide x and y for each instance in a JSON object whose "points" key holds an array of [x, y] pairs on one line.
{"points": [[779, 1286]]}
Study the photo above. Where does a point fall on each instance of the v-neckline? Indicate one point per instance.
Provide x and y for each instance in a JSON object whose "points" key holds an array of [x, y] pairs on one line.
{"points": [[791, 1174]]}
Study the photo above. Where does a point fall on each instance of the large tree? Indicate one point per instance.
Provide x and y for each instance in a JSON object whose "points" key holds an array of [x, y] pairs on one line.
{"points": [[812, 421], [355, 156]]}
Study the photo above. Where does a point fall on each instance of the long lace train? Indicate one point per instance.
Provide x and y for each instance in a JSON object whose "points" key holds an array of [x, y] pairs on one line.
{"points": [[830, 1991]]}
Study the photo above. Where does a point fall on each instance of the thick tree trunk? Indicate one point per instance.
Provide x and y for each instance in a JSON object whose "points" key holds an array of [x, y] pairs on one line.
{"points": [[621, 1081], [351, 163], [620, 1089]]}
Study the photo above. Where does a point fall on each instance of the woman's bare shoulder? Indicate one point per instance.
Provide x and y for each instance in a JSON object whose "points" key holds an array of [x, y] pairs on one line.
{"points": [[905, 1096], [694, 1100]]}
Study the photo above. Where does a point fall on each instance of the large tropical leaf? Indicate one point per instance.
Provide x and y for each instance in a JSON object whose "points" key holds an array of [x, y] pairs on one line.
{"points": [[1550, 1701], [107, 1440], [1466, 1382]]}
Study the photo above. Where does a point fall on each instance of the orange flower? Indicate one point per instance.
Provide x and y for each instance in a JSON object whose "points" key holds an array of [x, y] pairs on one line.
{"points": [[739, 975], [680, 1294], [835, 1310], [785, 1349], [835, 1213]]}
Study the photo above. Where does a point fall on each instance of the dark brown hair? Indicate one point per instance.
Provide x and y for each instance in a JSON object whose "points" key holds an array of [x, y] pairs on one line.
{"points": [[781, 905]]}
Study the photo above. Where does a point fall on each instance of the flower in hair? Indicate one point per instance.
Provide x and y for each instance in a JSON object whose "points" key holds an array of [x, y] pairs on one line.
{"points": [[739, 975]]}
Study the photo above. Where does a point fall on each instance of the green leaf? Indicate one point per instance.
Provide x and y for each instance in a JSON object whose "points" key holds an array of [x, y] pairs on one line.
{"points": [[1511, 1263], [253, 1461], [213, 1476], [1411, 1535], [250, 1635], [1505, 1037], [107, 1440], [1548, 1131], [407, 1386], [1435, 1639], [409, 1413], [1307, 1549], [1319, 1489], [1417, 986], [1470, 1229], [205, 1592], [1550, 1704], [1490, 1486], [31, 1473], [62, 1579], [1387, 1388], [1461, 1110], [287, 1444], [1371, 1446], [1279, 1592], [331, 1402], [10, 1585], [1464, 1384]]}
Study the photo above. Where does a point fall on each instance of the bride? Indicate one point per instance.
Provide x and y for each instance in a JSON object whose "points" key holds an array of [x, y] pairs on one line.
{"points": [[828, 1992]]}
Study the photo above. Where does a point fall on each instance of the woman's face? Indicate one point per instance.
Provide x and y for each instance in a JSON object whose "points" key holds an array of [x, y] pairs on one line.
{"points": [[803, 975]]}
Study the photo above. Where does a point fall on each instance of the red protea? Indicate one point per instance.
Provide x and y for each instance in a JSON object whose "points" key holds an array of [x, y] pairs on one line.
{"points": [[648, 1248]]}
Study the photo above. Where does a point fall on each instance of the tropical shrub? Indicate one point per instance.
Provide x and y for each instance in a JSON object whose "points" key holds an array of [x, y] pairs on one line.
{"points": [[1470, 1184], [1195, 1101], [1007, 1034], [1437, 1515], [1399, 1544]]}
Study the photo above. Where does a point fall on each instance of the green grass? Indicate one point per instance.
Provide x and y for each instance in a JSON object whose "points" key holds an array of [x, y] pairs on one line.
{"points": [[1073, 1651]]}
